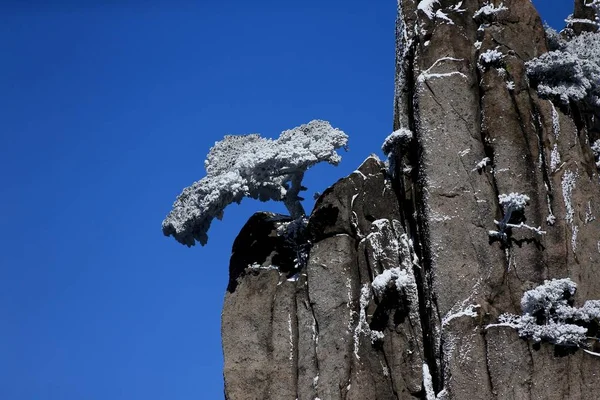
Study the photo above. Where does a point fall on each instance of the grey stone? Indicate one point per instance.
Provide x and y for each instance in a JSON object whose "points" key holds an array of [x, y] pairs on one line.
{"points": [[327, 333]]}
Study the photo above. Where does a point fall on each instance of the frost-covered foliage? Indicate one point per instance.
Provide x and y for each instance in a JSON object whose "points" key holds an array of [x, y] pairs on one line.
{"points": [[489, 11], [549, 316], [553, 38], [551, 294], [570, 73], [596, 151], [513, 201], [513, 205], [490, 58], [256, 167]]}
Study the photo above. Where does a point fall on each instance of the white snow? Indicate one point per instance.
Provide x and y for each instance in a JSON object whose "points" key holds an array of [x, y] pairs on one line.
{"points": [[427, 7], [399, 277], [490, 57], [397, 140], [551, 299], [428, 383], [252, 166], [291, 336], [362, 326], [550, 219], [596, 151], [570, 73], [510, 203], [589, 215], [349, 303], [469, 311], [427, 74], [568, 184], [480, 166], [571, 21], [537, 230], [359, 173], [265, 267], [437, 217], [550, 294], [456, 8], [555, 122], [376, 336], [554, 158], [516, 200], [439, 14], [489, 9], [595, 5]]}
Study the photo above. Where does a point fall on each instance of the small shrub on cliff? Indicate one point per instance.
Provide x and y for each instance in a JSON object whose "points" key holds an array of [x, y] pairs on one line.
{"points": [[549, 316], [513, 205], [570, 73]]}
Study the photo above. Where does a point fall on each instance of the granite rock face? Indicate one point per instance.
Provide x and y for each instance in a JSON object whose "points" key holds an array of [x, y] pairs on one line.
{"points": [[402, 276], [319, 331]]}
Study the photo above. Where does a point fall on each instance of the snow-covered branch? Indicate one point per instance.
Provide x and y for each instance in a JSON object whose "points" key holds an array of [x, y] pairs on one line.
{"points": [[549, 317], [256, 167], [570, 73]]}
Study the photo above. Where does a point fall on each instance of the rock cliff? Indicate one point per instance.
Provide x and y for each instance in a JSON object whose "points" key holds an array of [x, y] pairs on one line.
{"points": [[387, 290]]}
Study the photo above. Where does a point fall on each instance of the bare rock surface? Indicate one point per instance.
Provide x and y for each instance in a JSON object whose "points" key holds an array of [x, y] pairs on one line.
{"points": [[402, 276]]}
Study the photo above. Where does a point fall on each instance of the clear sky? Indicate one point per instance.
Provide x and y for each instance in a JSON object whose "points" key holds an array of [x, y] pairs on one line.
{"points": [[106, 112]]}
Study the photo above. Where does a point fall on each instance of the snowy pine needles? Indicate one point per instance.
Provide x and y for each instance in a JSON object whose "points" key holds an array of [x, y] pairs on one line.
{"points": [[549, 316], [252, 166], [571, 73]]}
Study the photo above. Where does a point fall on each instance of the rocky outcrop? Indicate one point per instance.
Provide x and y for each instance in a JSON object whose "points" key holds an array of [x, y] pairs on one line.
{"points": [[470, 103], [319, 331], [402, 275]]}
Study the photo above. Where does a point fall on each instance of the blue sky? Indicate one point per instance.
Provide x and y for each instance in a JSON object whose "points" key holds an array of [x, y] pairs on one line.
{"points": [[107, 113]]}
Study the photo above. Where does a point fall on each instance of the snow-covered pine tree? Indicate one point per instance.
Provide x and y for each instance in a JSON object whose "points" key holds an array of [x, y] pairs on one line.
{"points": [[252, 166]]}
